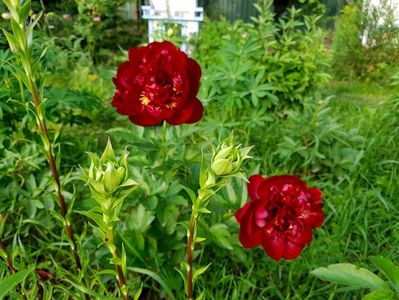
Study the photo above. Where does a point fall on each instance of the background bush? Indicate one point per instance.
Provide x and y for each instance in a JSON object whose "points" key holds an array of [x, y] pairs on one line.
{"points": [[376, 58]]}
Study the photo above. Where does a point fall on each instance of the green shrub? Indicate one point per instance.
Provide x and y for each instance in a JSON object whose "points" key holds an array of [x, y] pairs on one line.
{"points": [[377, 59], [267, 64]]}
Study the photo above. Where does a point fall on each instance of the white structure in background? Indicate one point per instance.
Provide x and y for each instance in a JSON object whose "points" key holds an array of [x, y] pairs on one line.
{"points": [[184, 12], [377, 5]]}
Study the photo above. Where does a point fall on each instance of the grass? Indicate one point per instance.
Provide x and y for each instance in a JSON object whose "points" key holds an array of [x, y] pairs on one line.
{"points": [[361, 211]]}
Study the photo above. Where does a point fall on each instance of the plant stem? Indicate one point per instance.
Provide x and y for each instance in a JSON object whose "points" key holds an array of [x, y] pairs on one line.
{"points": [[120, 276], [12, 269], [55, 174], [54, 171], [190, 248], [163, 141]]}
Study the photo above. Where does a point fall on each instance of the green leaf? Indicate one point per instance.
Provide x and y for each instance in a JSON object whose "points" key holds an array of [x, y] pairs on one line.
{"points": [[89, 292], [140, 219], [201, 296], [96, 217], [183, 277], [199, 240], [123, 260], [108, 154], [190, 193], [204, 210], [390, 270], [18, 34], [116, 261], [380, 295], [203, 170], [29, 32], [23, 12], [11, 41], [221, 235], [7, 284], [157, 278], [138, 293], [351, 275], [9, 5], [200, 271]]}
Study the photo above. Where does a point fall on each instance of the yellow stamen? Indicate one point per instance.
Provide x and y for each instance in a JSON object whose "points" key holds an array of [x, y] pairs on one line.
{"points": [[172, 105], [144, 99]]}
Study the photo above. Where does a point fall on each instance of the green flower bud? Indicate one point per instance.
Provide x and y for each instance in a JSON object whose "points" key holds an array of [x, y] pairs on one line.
{"points": [[227, 158], [170, 32], [222, 167], [6, 16], [112, 178], [108, 177], [224, 152]]}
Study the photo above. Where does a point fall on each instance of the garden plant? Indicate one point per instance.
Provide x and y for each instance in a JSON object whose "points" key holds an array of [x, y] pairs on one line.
{"points": [[230, 173]]}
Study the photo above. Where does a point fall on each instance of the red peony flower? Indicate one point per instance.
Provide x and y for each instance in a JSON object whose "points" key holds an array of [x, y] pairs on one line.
{"points": [[280, 215], [158, 83]]}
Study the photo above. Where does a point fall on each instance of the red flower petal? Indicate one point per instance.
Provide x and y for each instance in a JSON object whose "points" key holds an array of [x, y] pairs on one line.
{"points": [[292, 250], [241, 212], [253, 185], [316, 195], [194, 75], [190, 113], [300, 235], [250, 234], [313, 218], [274, 246]]}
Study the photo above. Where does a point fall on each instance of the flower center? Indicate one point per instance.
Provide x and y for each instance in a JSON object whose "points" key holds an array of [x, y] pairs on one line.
{"points": [[171, 105], [144, 99]]}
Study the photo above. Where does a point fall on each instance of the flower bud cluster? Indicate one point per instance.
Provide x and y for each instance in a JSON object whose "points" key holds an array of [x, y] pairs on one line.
{"points": [[227, 160], [108, 177]]}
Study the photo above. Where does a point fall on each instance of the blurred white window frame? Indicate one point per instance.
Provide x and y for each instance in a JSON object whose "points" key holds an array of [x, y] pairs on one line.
{"points": [[186, 13]]}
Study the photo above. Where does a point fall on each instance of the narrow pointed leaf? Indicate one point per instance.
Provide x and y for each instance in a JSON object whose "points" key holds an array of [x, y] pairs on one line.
{"points": [[8, 283], [390, 270], [380, 295], [138, 293], [200, 271], [157, 278]]}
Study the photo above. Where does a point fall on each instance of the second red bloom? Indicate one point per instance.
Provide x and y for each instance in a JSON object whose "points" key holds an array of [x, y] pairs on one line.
{"points": [[280, 215]]}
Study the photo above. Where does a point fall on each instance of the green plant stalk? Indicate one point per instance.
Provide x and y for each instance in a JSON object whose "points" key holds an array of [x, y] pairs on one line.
{"points": [[110, 243], [190, 247], [54, 171], [12, 269], [192, 229]]}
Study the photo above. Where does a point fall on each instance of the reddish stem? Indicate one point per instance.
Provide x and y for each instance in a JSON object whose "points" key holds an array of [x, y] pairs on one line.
{"points": [[56, 177], [190, 258]]}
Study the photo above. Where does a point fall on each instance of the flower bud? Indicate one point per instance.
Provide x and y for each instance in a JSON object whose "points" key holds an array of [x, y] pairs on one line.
{"points": [[170, 32], [6, 16], [222, 167], [108, 177], [228, 158], [224, 152], [112, 178]]}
